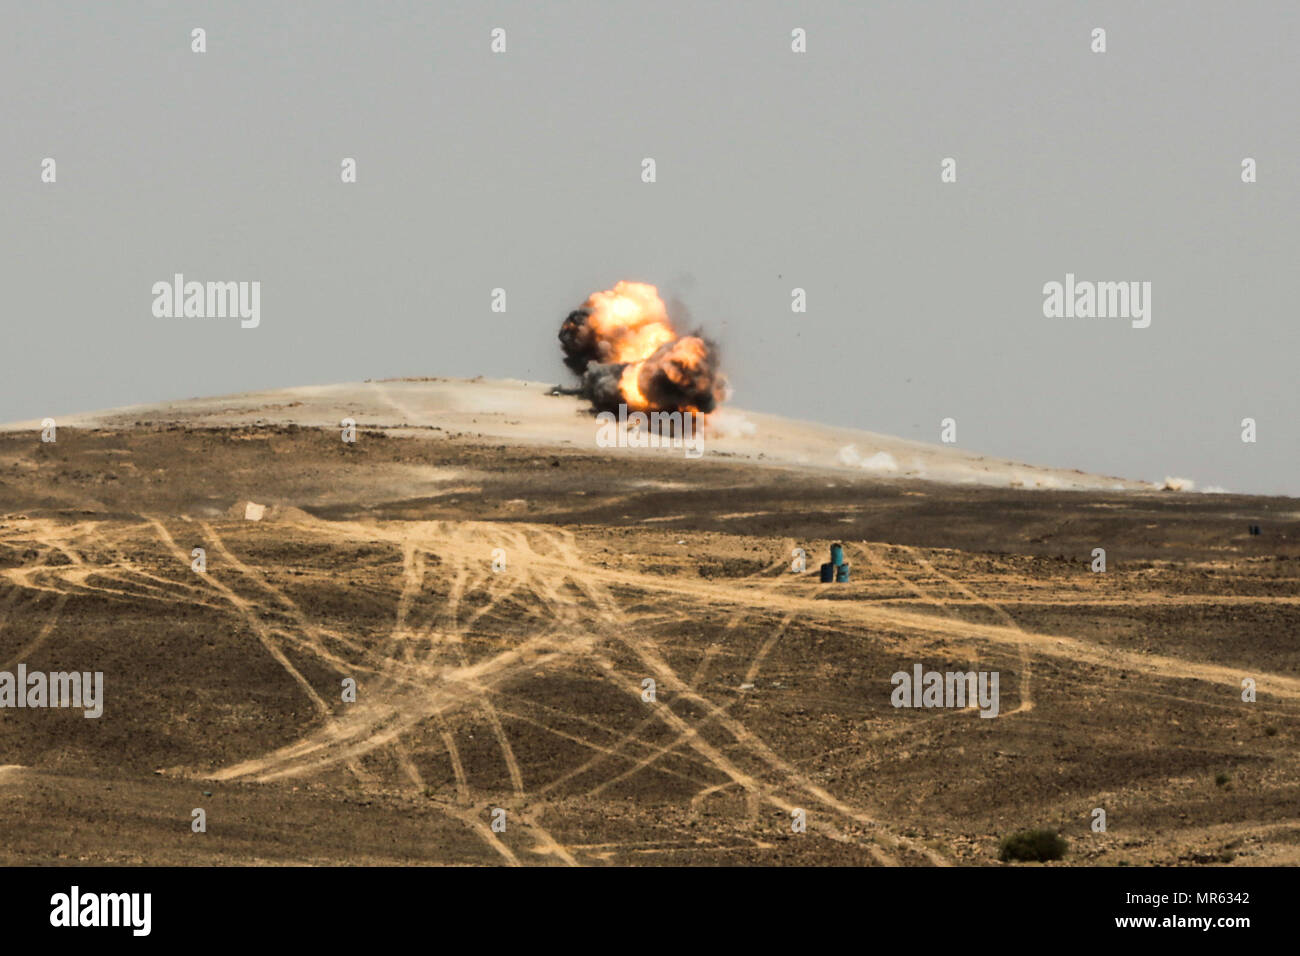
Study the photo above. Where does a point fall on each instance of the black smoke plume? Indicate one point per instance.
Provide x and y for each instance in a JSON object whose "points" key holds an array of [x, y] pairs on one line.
{"points": [[681, 375]]}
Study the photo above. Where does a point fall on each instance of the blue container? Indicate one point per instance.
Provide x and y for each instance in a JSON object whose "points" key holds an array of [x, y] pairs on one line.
{"points": [[837, 554], [828, 573], [842, 573]]}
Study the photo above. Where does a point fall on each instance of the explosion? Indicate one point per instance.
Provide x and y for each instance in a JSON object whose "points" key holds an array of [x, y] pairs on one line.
{"points": [[627, 351]]}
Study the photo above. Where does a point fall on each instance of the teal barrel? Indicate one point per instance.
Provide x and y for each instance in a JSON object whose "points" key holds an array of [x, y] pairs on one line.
{"points": [[828, 573], [837, 554], [842, 573]]}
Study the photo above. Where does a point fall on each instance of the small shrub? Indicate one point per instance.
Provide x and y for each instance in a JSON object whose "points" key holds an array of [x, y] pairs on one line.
{"points": [[1032, 845], [1221, 779]]}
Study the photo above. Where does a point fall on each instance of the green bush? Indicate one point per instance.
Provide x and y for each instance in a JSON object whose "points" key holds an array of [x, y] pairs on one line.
{"points": [[1032, 845]]}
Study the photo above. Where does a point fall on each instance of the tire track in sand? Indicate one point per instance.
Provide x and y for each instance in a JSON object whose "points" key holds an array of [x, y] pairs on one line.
{"points": [[649, 657]]}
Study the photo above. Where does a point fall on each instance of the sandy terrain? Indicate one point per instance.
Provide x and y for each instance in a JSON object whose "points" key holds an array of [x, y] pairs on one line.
{"points": [[525, 413], [500, 589]]}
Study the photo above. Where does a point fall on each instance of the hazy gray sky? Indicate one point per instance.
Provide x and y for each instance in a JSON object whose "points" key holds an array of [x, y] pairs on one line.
{"points": [[775, 170]]}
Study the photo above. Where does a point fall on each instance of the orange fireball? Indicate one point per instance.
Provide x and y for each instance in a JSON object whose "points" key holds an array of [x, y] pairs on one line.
{"points": [[624, 345], [630, 320]]}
